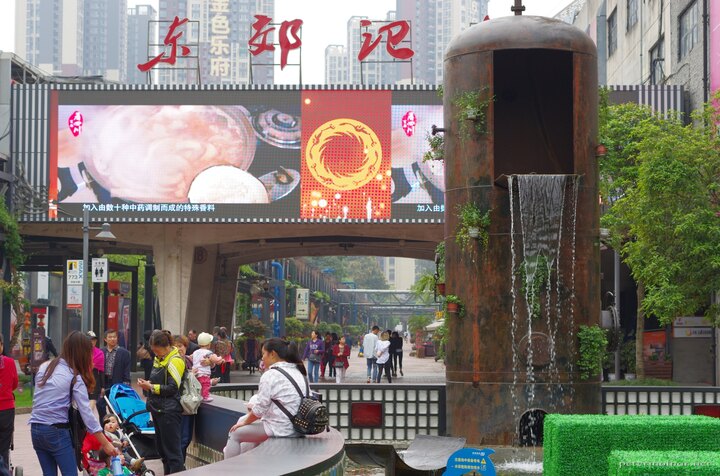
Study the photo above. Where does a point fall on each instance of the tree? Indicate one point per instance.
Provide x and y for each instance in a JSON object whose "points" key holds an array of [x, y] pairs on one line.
{"points": [[12, 251], [418, 322], [660, 180]]}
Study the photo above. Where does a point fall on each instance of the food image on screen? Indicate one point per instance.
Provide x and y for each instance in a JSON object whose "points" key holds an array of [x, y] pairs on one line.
{"points": [[278, 128], [151, 154], [227, 184]]}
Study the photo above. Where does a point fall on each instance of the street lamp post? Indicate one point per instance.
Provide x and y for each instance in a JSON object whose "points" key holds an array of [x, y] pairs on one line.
{"points": [[105, 234]]}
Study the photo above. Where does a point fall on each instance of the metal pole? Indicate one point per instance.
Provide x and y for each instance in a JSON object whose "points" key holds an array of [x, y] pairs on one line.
{"points": [[85, 324]]}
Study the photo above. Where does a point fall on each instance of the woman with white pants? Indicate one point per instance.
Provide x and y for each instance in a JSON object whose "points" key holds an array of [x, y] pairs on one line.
{"points": [[264, 418], [341, 351]]}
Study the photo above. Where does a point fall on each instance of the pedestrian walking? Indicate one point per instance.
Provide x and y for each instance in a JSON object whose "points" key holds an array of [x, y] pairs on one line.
{"points": [[117, 367], [8, 383], [396, 353], [341, 352], [368, 343], [382, 351], [314, 351], [98, 372], [60, 382]]}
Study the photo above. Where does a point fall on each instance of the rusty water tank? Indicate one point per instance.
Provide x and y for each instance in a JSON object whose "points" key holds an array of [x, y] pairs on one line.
{"points": [[538, 79]]}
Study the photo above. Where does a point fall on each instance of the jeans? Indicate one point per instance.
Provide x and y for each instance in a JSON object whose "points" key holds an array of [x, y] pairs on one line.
{"points": [[7, 426], [54, 449], [313, 371], [372, 369]]}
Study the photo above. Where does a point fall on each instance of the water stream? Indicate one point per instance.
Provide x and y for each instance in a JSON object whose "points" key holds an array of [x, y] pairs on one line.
{"points": [[542, 222]]}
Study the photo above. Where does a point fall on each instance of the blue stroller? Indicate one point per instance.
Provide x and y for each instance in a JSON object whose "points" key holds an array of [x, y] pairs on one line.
{"points": [[134, 419]]}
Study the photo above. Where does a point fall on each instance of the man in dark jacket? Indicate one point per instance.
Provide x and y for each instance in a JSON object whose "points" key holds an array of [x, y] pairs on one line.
{"points": [[117, 367]]}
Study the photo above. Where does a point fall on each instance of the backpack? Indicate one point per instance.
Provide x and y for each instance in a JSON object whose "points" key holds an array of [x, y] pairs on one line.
{"points": [[190, 392], [312, 416]]}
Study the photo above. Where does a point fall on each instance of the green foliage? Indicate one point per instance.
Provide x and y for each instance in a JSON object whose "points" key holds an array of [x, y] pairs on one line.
{"points": [[418, 322], [451, 298], [254, 326], [246, 271], [13, 245], [364, 271], [354, 330], [336, 328], [533, 289], [581, 444], [243, 308], [592, 346], [441, 337], [627, 356], [472, 107], [294, 327], [321, 296], [424, 285], [13, 290], [440, 91], [470, 216], [646, 382], [660, 182], [437, 148]]}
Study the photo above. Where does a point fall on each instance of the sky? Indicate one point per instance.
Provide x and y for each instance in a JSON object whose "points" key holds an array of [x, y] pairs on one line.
{"points": [[324, 23]]}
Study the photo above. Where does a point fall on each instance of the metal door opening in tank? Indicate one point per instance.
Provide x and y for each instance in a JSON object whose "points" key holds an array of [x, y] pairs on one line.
{"points": [[533, 112]]}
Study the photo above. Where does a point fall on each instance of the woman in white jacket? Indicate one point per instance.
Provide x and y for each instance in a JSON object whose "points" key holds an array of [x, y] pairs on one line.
{"points": [[264, 418], [382, 350]]}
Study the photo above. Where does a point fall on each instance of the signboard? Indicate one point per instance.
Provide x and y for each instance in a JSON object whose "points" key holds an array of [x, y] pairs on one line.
{"points": [[236, 155], [471, 461], [74, 272], [302, 303], [702, 332], [99, 271], [43, 285], [691, 321], [74, 297]]}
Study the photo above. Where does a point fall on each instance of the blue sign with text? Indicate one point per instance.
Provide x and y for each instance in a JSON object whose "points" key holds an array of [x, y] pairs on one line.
{"points": [[470, 461]]}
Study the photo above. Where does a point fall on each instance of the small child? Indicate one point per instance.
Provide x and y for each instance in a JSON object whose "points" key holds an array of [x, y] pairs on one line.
{"points": [[117, 438], [203, 370], [107, 470]]}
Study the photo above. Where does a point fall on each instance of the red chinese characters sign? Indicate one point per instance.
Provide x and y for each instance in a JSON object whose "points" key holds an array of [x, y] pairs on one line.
{"points": [[259, 41], [396, 33], [170, 40]]}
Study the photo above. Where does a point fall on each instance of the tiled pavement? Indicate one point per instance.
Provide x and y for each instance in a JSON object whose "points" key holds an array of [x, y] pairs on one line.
{"points": [[416, 371]]}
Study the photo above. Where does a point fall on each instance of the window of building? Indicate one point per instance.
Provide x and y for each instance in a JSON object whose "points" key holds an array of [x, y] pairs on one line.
{"points": [[657, 59], [612, 32], [688, 29], [632, 13]]}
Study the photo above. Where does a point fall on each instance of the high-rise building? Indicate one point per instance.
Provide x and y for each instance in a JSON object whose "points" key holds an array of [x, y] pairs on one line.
{"points": [[73, 37], [105, 39], [336, 65], [225, 26], [399, 272], [52, 36], [142, 27], [433, 24]]}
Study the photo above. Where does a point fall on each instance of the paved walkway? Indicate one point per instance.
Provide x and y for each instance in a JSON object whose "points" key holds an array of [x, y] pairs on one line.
{"points": [[416, 371]]}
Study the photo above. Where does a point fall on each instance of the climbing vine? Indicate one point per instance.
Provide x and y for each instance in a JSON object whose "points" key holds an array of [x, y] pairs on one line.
{"points": [[13, 252]]}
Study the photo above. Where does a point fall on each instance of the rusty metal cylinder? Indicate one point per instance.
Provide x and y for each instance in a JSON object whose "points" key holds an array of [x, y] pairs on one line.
{"points": [[537, 80]]}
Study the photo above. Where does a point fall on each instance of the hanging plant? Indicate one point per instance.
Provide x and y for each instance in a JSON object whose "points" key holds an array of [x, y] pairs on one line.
{"points": [[13, 251], [472, 108], [437, 148], [453, 305], [534, 290], [473, 224], [592, 342]]}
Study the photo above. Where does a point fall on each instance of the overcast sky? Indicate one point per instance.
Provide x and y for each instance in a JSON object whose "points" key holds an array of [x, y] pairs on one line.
{"points": [[324, 23]]}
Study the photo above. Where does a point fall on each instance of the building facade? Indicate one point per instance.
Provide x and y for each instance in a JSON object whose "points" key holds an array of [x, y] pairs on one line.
{"points": [[105, 39], [399, 272], [336, 65], [141, 29], [653, 43]]}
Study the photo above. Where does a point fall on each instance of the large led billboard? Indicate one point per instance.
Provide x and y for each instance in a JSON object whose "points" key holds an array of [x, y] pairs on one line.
{"points": [[245, 155]]}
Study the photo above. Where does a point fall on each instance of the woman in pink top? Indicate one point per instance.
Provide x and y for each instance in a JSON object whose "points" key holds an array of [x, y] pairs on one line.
{"points": [[8, 383], [98, 372]]}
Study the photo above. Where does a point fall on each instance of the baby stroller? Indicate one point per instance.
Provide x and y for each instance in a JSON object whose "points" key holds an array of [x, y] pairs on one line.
{"points": [[134, 419], [91, 464]]}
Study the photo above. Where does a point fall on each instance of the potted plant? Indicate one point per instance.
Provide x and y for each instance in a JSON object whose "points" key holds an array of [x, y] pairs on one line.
{"points": [[592, 345], [437, 148], [440, 289], [627, 358], [453, 305], [472, 107], [473, 224]]}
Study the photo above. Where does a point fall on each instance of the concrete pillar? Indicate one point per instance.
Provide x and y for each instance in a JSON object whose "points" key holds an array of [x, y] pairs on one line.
{"points": [[173, 266]]}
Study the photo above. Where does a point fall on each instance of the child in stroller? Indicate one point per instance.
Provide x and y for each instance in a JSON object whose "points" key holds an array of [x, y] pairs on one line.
{"points": [[113, 433], [94, 460]]}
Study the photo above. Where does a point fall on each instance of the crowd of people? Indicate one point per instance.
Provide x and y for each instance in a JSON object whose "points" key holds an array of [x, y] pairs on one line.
{"points": [[83, 373]]}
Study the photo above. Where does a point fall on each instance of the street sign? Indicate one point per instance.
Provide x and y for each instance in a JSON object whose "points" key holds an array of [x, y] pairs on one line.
{"points": [[99, 271], [74, 297], [302, 301], [74, 272]]}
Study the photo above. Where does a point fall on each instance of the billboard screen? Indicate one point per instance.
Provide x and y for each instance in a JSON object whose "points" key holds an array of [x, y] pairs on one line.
{"points": [[245, 155]]}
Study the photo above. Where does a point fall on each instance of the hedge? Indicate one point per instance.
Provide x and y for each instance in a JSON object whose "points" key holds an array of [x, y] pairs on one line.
{"points": [[636, 463], [581, 444]]}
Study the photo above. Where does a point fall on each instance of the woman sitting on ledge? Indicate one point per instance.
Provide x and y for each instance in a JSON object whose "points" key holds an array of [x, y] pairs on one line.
{"points": [[264, 418]]}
